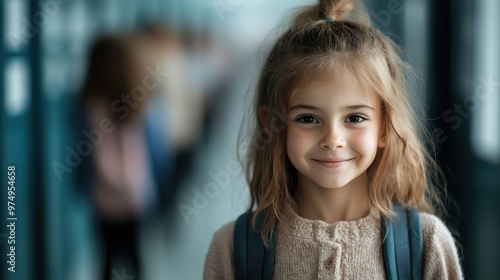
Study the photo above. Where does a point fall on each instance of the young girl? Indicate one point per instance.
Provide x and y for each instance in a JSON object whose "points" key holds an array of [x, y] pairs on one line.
{"points": [[336, 146]]}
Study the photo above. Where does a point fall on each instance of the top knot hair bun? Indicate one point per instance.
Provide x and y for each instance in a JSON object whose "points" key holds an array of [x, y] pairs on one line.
{"points": [[328, 10], [334, 9]]}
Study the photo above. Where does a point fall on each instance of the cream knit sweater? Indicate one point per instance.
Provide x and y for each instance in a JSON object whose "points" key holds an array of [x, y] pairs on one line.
{"points": [[312, 249]]}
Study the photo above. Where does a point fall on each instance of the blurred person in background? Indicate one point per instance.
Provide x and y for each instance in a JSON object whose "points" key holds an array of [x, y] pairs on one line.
{"points": [[132, 158], [181, 107], [184, 96]]}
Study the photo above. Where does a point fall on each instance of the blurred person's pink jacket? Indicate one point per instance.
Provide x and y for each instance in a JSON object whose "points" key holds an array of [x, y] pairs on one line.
{"points": [[123, 185]]}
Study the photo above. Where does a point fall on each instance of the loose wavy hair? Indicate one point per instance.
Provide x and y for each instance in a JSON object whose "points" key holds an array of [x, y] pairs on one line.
{"points": [[329, 41]]}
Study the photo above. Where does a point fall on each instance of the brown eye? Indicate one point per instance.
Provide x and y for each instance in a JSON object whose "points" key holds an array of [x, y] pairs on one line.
{"points": [[307, 119], [355, 119]]}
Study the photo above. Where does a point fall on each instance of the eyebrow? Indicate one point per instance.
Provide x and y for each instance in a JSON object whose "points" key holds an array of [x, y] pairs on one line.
{"points": [[359, 106], [314, 108]]}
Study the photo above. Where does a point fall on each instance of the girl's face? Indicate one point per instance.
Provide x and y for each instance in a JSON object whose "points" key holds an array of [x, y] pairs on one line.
{"points": [[332, 133]]}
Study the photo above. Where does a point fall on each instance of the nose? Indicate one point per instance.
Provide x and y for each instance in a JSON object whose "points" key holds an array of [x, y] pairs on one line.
{"points": [[333, 138]]}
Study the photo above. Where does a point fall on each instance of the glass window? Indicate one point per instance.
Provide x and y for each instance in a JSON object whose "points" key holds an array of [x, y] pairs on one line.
{"points": [[484, 102], [17, 97]]}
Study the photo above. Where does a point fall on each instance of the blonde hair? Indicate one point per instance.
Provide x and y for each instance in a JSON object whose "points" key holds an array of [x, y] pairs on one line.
{"points": [[340, 47]]}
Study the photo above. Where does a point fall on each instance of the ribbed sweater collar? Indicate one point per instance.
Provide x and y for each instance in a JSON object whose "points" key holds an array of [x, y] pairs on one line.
{"points": [[341, 231]]}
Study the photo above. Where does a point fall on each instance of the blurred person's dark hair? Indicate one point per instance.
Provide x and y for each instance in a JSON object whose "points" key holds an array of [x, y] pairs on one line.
{"points": [[159, 31], [115, 67]]}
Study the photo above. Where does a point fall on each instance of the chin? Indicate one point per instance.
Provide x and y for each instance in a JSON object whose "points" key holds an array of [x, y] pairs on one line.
{"points": [[332, 185]]}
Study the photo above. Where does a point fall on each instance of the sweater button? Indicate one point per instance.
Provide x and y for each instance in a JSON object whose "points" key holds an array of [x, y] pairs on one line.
{"points": [[329, 263]]}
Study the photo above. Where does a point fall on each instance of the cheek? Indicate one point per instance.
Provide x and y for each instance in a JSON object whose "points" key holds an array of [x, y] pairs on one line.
{"points": [[366, 141], [297, 143]]}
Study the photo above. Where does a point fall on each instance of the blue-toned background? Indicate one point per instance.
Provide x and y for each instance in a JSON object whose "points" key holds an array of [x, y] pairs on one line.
{"points": [[452, 44]]}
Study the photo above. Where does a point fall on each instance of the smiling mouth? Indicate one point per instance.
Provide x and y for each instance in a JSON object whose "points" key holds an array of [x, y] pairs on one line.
{"points": [[333, 163]]}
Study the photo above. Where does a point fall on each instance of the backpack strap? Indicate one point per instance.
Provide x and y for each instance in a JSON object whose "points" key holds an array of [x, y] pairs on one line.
{"points": [[402, 244], [416, 244], [251, 258]]}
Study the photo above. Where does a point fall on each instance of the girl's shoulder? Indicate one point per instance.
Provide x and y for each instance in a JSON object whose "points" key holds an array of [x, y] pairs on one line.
{"points": [[441, 258], [219, 262], [224, 236], [434, 228]]}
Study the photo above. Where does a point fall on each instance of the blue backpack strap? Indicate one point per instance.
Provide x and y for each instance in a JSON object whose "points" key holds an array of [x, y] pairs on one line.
{"points": [[402, 244], [416, 244], [240, 247], [251, 258]]}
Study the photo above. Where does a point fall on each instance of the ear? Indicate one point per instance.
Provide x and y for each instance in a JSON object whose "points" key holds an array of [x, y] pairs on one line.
{"points": [[263, 116], [382, 140]]}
